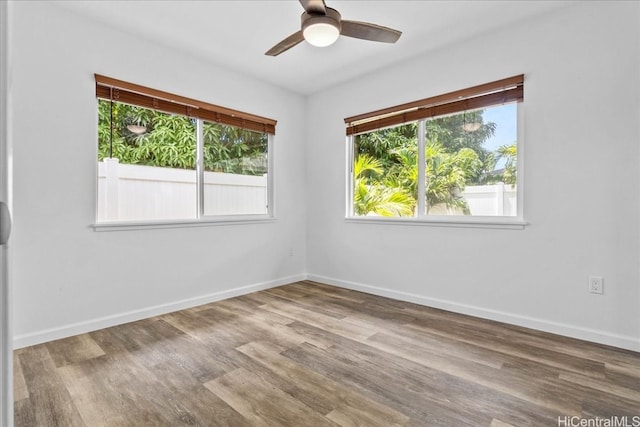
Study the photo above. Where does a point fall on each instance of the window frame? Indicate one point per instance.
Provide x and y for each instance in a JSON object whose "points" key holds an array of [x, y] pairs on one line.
{"points": [[205, 112], [422, 218]]}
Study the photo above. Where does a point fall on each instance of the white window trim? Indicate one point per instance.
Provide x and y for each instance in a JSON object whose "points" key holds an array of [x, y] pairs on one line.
{"points": [[201, 220], [458, 221], [443, 221], [183, 223]]}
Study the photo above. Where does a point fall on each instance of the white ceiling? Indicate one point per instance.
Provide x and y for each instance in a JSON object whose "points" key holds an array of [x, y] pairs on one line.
{"points": [[236, 33]]}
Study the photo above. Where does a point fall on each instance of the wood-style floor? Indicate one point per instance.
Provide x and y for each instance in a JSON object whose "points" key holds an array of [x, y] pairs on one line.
{"points": [[308, 354]]}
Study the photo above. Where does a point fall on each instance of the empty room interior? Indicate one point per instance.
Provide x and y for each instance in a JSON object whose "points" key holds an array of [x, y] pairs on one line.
{"points": [[340, 213]]}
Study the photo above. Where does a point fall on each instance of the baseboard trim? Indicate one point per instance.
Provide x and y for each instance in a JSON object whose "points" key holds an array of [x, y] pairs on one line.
{"points": [[46, 335], [601, 337], [596, 336]]}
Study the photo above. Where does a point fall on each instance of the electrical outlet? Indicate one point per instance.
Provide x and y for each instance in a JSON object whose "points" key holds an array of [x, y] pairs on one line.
{"points": [[596, 284], [290, 252]]}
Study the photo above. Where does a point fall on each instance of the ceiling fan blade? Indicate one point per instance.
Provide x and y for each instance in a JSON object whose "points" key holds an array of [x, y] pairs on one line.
{"points": [[286, 44], [314, 7], [368, 31]]}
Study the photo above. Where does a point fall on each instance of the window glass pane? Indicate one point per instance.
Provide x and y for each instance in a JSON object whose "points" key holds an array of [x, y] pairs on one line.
{"points": [[236, 166], [385, 172], [146, 171], [471, 163]]}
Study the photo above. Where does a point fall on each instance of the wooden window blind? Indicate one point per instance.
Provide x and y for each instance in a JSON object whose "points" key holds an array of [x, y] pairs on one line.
{"points": [[129, 93], [494, 93]]}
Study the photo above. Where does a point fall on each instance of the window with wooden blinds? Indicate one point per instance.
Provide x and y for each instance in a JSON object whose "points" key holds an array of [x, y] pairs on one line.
{"points": [[129, 93], [494, 93]]}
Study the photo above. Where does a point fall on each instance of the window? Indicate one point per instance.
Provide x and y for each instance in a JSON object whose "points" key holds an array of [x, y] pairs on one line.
{"points": [[162, 157], [448, 158]]}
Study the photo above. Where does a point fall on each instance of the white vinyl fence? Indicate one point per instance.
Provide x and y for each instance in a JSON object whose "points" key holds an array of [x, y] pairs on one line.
{"points": [[133, 192], [491, 200]]}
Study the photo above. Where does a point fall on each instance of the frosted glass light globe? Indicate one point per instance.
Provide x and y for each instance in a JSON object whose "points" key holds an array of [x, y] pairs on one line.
{"points": [[321, 34]]}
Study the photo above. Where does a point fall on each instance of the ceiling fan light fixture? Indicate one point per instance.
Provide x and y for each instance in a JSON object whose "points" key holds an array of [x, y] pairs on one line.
{"points": [[321, 30], [321, 34], [321, 26]]}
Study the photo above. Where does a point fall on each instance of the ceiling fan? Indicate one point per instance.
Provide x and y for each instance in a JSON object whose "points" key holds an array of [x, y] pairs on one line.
{"points": [[322, 25]]}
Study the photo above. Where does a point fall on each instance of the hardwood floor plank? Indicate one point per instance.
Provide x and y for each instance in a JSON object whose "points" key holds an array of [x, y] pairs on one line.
{"points": [[601, 406], [143, 385], [320, 289], [544, 394], [102, 396], [197, 363], [312, 354], [73, 349], [446, 348], [336, 292], [526, 368], [219, 340], [355, 417], [340, 326], [50, 401], [378, 387], [261, 403], [478, 393], [622, 380], [118, 390], [24, 413], [497, 423], [248, 310], [506, 345], [549, 393], [210, 409], [533, 338], [292, 293], [631, 370], [322, 394], [373, 311], [278, 298], [272, 326], [601, 386], [20, 391]]}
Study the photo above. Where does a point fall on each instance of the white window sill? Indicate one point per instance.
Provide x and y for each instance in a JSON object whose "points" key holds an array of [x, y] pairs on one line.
{"points": [[182, 223], [445, 221]]}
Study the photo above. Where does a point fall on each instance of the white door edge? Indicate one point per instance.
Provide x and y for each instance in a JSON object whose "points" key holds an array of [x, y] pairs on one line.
{"points": [[6, 336]]}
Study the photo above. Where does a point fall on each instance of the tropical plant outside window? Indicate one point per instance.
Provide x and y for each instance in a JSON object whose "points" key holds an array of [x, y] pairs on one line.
{"points": [[152, 138], [155, 157], [470, 166]]}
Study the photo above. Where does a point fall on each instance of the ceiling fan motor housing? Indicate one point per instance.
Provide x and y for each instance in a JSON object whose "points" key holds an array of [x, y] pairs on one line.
{"points": [[331, 17]]}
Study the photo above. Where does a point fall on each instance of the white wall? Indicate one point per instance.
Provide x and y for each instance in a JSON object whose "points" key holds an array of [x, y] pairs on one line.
{"points": [[581, 67], [69, 278]]}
